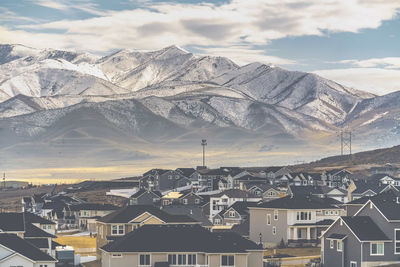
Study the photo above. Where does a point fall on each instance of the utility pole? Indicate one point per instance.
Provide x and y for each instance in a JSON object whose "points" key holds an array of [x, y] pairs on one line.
{"points": [[204, 144]]}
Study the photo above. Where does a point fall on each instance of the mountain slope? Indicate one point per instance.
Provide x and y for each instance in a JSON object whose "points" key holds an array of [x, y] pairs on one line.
{"points": [[129, 102]]}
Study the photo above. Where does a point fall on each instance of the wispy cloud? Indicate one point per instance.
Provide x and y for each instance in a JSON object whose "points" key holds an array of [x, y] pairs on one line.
{"points": [[374, 80], [244, 54], [386, 62], [8, 16], [54, 4], [83, 5]]}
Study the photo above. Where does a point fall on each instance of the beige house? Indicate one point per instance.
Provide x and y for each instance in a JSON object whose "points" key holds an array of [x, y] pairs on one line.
{"points": [[125, 220], [181, 245]]}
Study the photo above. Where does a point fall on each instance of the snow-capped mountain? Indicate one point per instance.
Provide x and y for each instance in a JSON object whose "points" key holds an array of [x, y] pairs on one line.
{"points": [[63, 97]]}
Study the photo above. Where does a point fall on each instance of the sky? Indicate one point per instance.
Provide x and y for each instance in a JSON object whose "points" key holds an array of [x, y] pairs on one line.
{"points": [[354, 42]]}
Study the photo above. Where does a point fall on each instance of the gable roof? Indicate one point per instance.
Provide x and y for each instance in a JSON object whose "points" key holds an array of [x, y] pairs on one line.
{"points": [[365, 228], [129, 213], [33, 218], [11, 222], [24, 248], [143, 191], [301, 202], [242, 207], [194, 212], [180, 238], [186, 171], [235, 193], [390, 208], [33, 231]]}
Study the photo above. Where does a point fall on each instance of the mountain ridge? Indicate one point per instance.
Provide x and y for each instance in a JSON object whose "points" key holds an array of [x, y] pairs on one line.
{"points": [[192, 96]]}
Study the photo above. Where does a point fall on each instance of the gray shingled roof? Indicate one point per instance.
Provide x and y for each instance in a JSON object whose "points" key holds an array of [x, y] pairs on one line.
{"points": [[129, 213], [180, 238], [24, 248], [365, 228]]}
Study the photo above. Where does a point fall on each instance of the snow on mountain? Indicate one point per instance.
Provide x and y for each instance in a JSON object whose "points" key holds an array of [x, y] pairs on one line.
{"points": [[303, 92], [12, 52], [173, 88]]}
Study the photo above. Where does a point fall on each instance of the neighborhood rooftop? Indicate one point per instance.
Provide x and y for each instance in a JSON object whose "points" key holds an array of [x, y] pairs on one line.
{"points": [[180, 238]]}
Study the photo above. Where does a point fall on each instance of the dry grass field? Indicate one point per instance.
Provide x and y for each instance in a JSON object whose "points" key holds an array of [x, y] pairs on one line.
{"points": [[84, 245]]}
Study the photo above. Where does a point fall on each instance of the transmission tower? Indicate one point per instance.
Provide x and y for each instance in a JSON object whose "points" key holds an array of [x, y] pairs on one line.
{"points": [[345, 142], [204, 144]]}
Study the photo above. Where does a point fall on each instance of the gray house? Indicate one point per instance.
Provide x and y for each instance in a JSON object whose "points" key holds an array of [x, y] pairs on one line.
{"points": [[297, 220], [370, 238], [145, 197], [181, 245], [162, 180]]}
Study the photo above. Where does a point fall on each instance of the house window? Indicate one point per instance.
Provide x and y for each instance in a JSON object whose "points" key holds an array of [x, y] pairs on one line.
{"points": [[41, 265], [117, 230], [396, 241], [227, 260], [217, 221], [172, 259], [181, 259], [276, 215], [337, 212], [185, 201], [353, 264], [192, 260], [144, 260], [377, 249], [304, 215], [268, 219], [116, 255], [327, 212], [232, 214], [197, 201], [274, 230], [331, 244], [339, 245]]}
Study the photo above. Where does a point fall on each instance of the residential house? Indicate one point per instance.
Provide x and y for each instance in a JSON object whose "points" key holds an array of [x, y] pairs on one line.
{"points": [[15, 251], [145, 197], [237, 213], [294, 220], [245, 182], [338, 194], [181, 245], [221, 201], [129, 218], [268, 192], [86, 214], [163, 180], [369, 238], [337, 178], [30, 227], [364, 188]]}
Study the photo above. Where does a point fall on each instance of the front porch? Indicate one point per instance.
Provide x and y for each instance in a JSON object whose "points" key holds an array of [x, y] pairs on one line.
{"points": [[304, 235]]}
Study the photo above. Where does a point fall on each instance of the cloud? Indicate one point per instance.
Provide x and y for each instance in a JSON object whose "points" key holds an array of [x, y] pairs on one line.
{"points": [[83, 5], [206, 24], [374, 80], [52, 4], [244, 54], [386, 62]]}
